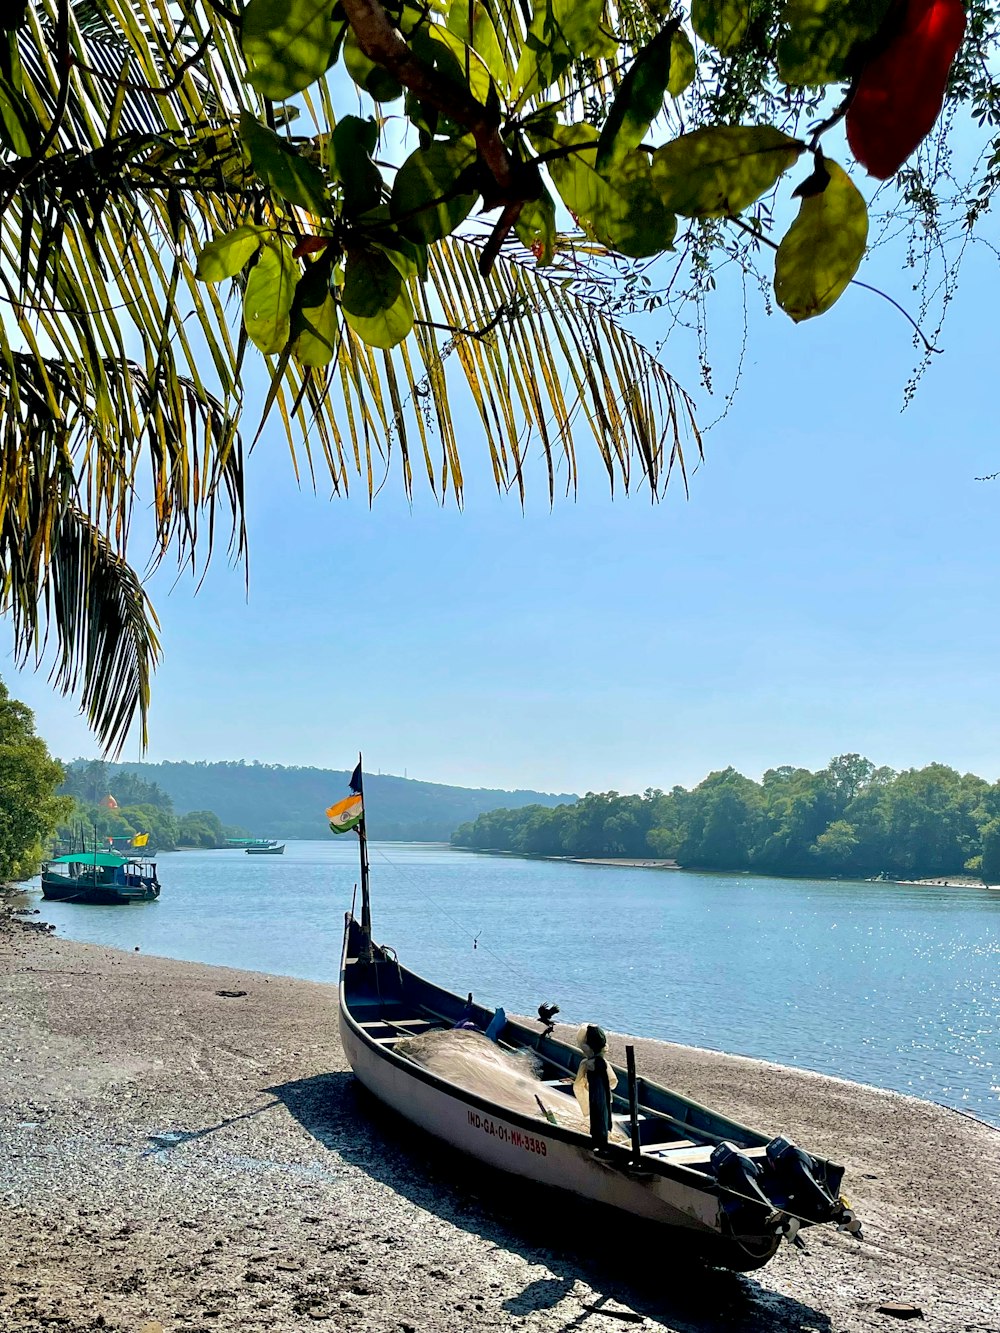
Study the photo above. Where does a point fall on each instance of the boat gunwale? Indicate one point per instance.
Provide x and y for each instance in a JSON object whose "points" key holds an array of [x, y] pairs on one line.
{"points": [[620, 1153]]}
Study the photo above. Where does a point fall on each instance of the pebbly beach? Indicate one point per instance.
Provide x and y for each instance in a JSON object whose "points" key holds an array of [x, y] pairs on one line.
{"points": [[184, 1148]]}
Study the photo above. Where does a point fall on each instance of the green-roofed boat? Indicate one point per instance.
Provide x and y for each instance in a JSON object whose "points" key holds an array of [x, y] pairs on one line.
{"points": [[99, 877]]}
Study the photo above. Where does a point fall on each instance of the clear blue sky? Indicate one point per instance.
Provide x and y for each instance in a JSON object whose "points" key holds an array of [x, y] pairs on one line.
{"points": [[830, 585]]}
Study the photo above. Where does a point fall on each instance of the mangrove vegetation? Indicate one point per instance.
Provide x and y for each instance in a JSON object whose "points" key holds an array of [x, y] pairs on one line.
{"points": [[850, 818], [29, 778]]}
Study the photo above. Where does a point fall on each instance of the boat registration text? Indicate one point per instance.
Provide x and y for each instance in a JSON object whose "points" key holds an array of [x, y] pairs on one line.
{"points": [[507, 1135]]}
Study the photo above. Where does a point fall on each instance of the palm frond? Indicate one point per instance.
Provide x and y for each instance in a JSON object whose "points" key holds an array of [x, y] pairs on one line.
{"points": [[121, 375], [66, 491]]}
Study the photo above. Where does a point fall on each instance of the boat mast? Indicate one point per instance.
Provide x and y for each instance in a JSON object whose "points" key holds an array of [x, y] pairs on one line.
{"points": [[366, 906]]}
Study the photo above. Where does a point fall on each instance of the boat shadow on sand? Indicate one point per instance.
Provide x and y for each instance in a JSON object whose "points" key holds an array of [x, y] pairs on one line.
{"points": [[626, 1263]]}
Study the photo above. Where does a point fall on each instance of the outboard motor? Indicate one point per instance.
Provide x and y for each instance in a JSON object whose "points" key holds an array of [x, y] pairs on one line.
{"points": [[807, 1188], [747, 1208]]}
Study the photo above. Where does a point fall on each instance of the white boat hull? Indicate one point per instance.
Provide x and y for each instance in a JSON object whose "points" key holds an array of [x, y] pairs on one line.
{"points": [[431, 1103]]}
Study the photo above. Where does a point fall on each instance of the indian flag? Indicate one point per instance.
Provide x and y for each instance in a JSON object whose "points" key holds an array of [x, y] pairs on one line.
{"points": [[346, 815]]}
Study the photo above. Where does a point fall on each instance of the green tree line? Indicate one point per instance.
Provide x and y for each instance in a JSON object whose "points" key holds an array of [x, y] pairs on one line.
{"points": [[277, 801], [29, 805], [142, 806], [849, 819]]}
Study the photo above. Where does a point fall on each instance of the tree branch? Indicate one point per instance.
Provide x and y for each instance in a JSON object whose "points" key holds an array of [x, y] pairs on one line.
{"points": [[385, 44]]}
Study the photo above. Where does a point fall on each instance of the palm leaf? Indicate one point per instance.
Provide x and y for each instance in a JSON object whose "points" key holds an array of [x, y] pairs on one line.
{"points": [[121, 375]]}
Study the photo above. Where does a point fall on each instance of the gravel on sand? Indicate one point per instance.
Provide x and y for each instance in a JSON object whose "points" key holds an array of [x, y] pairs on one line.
{"points": [[184, 1148]]}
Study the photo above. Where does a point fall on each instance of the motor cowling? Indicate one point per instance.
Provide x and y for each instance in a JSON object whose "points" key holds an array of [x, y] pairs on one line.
{"points": [[744, 1203], [800, 1185]]}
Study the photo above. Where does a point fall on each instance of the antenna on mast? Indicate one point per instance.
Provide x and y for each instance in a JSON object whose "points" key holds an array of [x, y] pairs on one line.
{"points": [[344, 816], [358, 785]]}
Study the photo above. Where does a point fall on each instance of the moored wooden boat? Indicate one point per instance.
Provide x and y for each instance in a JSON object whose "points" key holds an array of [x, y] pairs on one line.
{"points": [[269, 849], [102, 878], [730, 1190]]}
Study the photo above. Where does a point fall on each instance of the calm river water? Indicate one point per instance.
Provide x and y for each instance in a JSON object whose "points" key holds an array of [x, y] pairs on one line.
{"points": [[895, 986]]}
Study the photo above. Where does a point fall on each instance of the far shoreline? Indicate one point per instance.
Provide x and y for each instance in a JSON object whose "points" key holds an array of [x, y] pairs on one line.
{"points": [[653, 863]]}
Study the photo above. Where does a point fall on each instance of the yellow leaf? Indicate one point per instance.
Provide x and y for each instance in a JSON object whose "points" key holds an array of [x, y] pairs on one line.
{"points": [[823, 247], [717, 171]]}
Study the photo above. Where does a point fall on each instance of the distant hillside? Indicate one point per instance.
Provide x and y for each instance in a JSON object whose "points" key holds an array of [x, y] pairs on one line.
{"points": [[277, 802]]}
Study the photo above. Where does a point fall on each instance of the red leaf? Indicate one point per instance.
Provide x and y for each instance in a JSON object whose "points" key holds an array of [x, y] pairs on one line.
{"points": [[310, 245], [901, 91]]}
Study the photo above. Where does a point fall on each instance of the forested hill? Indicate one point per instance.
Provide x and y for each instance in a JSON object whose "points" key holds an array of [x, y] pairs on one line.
{"points": [[272, 801], [849, 819]]}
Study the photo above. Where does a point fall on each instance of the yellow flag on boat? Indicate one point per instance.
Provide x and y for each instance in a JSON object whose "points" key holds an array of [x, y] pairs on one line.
{"points": [[346, 814], [140, 840]]}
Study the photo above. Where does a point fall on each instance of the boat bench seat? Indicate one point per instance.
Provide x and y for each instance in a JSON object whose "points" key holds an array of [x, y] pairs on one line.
{"points": [[665, 1147], [702, 1153], [397, 1023]]}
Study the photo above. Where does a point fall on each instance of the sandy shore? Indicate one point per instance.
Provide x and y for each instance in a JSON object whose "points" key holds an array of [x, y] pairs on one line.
{"points": [[955, 882], [631, 863], [183, 1148]]}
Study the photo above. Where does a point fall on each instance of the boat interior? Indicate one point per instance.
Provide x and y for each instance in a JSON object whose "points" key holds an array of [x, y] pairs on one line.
{"points": [[391, 1004]]}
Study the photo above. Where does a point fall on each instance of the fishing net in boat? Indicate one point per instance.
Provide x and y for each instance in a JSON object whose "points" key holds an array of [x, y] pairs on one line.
{"points": [[507, 1078]]}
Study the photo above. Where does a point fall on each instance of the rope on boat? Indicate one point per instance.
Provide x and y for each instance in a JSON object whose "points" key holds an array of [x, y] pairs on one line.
{"points": [[969, 1115]]}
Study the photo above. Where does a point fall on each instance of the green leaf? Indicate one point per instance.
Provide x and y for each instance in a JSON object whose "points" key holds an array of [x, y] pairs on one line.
{"points": [[560, 30], [377, 82], [269, 295], [721, 23], [821, 36], [716, 172], [621, 209], [224, 256], [430, 195], [314, 328], [471, 71], [376, 304], [282, 169], [683, 65], [640, 96], [353, 143], [372, 283], [536, 228], [409, 259], [483, 37], [821, 251], [288, 44], [315, 322]]}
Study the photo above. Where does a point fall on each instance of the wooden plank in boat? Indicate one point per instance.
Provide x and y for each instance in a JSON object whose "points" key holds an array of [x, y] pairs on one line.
{"points": [[672, 1143], [695, 1156], [394, 1022]]}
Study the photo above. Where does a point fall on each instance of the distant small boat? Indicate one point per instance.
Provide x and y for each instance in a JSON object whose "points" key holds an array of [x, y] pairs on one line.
{"points": [[103, 878], [270, 849]]}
